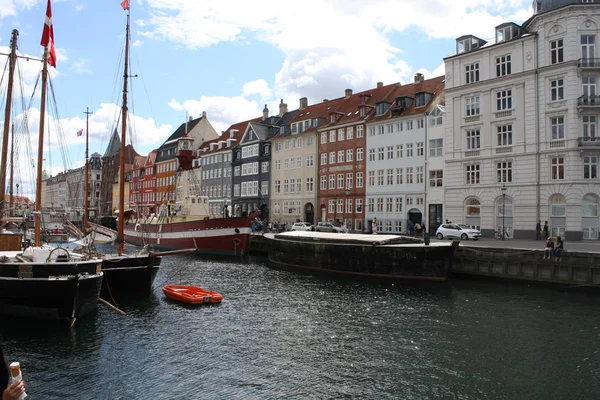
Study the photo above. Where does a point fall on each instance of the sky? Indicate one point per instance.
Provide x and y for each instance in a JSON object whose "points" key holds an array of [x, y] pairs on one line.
{"points": [[228, 58]]}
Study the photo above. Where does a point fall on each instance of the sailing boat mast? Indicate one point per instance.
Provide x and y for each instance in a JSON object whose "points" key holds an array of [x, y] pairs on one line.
{"points": [[121, 224], [38, 185], [12, 172], [3, 161], [86, 187]]}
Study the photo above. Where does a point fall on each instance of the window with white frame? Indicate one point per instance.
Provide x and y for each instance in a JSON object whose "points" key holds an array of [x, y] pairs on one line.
{"points": [[332, 181], [380, 154], [371, 205], [399, 204], [390, 152], [340, 181], [349, 133], [590, 167], [340, 156], [558, 127], [331, 206], [286, 186], [420, 149], [436, 117], [371, 154], [589, 126], [349, 155], [310, 184], [236, 190], [473, 139], [472, 73], [380, 204], [436, 147], [589, 212], [349, 180], [472, 104], [420, 123], [589, 88], [331, 136], [504, 100], [389, 176], [277, 186], [359, 179], [372, 131], [409, 176], [309, 160], [504, 171], [399, 150], [409, 150], [309, 140], [557, 165], [277, 164], [389, 204], [436, 178], [332, 157], [503, 65], [556, 51], [359, 154], [399, 176], [473, 207], [420, 175], [323, 182], [379, 177], [264, 166], [323, 158], [340, 135], [371, 178], [359, 131], [588, 47], [557, 89], [504, 133], [264, 188], [359, 204], [473, 171], [558, 206], [323, 137]]}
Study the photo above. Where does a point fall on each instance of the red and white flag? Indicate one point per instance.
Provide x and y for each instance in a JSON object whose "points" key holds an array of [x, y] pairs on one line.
{"points": [[125, 4], [48, 36], [80, 132]]}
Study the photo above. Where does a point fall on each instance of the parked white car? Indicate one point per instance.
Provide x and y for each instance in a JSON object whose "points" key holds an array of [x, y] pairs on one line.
{"points": [[457, 231], [329, 227], [302, 226]]}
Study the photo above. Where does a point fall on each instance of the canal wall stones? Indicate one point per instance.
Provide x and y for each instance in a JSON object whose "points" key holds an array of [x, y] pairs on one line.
{"points": [[574, 268]]}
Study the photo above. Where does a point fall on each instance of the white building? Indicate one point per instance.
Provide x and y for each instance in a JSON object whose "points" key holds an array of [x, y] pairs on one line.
{"points": [[399, 184], [521, 145]]}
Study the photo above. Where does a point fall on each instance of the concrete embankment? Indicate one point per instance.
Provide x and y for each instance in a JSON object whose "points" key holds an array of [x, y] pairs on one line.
{"points": [[514, 259]]}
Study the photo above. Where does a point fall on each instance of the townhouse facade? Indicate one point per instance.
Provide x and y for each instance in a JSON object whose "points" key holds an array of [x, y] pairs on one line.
{"points": [[401, 184], [342, 163], [251, 162], [521, 145], [294, 166]]}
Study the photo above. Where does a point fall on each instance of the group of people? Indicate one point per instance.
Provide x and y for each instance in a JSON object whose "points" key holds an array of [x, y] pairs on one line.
{"points": [[542, 233], [554, 250]]}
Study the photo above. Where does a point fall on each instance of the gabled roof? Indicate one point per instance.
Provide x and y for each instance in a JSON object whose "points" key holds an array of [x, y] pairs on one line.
{"points": [[114, 145], [150, 158], [17, 199], [435, 86], [239, 127], [271, 127]]}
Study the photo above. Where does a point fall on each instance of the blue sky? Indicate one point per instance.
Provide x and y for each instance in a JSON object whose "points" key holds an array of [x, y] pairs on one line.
{"points": [[230, 58]]}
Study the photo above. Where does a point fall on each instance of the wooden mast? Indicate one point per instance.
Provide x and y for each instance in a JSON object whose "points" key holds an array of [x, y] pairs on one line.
{"points": [[87, 171], [38, 185], [11, 201], [3, 161], [121, 224]]}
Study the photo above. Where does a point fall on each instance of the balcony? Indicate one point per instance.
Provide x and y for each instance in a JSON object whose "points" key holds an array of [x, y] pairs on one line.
{"points": [[588, 143], [472, 153], [588, 63], [504, 150], [503, 114], [473, 118], [588, 101]]}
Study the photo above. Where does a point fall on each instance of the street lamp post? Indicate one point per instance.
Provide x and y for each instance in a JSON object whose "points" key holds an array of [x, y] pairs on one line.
{"points": [[503, 207], [334, 208], [347, 193]]}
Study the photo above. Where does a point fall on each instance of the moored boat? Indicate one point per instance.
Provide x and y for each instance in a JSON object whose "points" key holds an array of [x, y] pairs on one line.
{"points": [[191, 294], [388, 257]]}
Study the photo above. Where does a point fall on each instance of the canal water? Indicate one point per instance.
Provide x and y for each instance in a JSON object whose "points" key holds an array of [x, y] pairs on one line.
{"points": [[284, 335]]}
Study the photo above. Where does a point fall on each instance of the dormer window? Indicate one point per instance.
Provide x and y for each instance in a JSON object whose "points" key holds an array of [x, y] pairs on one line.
{"points": [[382, 107], [294, 130], [362, 111], [464, 44], [506, 32], [422, 98], [315, 122]]}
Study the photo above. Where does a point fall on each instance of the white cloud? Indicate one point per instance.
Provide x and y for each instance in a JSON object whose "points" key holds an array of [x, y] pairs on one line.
{"points": [[81, 66], [259, 86], [11, 7]]}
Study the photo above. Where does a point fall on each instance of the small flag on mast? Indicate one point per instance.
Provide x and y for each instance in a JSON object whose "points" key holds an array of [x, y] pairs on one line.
{"points": [[48, 36], [125, 4], [80, 132]]}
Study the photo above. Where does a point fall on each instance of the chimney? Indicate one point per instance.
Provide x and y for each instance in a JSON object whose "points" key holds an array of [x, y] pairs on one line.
{"points": [[203, 114], [232, 133], [190, 118], [265, 113], [419, 78], [282, 108], [379, 85], [348, 93], [325, 100], [303, 103]]}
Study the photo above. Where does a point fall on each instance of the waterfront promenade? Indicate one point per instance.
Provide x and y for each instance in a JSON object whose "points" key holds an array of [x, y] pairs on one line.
{"points": [[580, 247]]}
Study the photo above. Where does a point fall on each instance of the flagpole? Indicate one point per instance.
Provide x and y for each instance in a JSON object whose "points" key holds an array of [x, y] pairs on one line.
{"points": [[38, 186], [87, 172]]}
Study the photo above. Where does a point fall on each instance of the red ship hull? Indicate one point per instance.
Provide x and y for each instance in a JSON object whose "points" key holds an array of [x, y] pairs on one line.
{"points": [[219, 236]]}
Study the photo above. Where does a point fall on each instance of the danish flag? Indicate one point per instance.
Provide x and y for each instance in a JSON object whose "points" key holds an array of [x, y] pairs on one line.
{"points": [[48, 36]]}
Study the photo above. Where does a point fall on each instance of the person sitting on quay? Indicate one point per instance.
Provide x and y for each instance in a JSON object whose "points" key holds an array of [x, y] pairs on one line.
{"points": [[549, 250], [559, 249]]}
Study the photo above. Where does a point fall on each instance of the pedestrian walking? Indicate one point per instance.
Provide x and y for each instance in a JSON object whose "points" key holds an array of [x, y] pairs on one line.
{"points": [[546, 230], [538, 230]]}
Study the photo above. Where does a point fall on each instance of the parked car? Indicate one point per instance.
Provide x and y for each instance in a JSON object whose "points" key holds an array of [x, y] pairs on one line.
{"points": [[329, 227], [457, 231], [303, 226]]}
